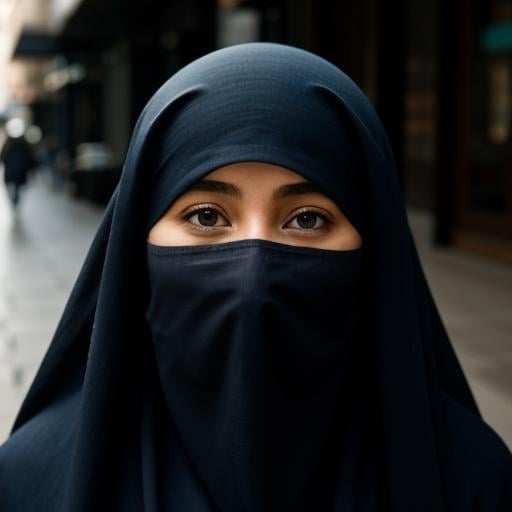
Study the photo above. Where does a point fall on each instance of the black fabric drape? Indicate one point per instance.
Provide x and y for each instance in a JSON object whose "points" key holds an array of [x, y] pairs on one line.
{"points": [[257, 358], [95, 432]]}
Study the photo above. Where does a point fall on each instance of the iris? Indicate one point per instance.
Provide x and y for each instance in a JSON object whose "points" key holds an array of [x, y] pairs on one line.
{"points": [[207, 217], [307, 220]]}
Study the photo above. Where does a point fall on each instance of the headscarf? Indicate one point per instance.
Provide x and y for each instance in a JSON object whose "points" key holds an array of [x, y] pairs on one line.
{"points": [[96, 431]]}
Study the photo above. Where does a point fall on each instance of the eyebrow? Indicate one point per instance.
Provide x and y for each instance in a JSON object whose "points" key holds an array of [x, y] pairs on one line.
{"points": [[217, 186], [295, 189], [292, 189]]}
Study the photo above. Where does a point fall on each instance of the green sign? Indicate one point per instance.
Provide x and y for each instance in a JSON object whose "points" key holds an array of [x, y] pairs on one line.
{"points": [[497, 37]]}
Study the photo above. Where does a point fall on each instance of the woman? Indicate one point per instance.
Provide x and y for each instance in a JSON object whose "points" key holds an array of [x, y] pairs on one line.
{"points": [[252, 330]]}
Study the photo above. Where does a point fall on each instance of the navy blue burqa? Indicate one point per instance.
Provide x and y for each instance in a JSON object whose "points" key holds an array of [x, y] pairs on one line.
{"points": [[109, 425]]}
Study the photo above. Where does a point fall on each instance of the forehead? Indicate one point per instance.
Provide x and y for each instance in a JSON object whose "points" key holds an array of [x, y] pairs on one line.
{"points": [[254, 171], [254, 179]]}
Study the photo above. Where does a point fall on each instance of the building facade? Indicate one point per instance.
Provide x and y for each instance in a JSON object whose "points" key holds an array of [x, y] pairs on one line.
{"points": [[438, 73]]}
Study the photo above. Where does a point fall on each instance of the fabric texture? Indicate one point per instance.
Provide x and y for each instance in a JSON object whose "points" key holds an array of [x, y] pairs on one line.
{"points": [[253, 355], [115, 420]]}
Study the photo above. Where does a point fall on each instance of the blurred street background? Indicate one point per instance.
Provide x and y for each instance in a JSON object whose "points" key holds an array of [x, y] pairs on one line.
{"points": [[75, 75]]}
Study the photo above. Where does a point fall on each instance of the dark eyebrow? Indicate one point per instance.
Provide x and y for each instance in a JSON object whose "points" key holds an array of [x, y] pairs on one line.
{"points": [[293, 189], [217, 186]]}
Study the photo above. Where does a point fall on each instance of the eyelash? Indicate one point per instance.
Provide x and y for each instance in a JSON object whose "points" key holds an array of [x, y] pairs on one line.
{"points": [[199, 208]]}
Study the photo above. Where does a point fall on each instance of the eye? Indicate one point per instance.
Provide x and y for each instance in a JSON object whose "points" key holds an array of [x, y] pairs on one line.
{"points": [[307, 220], [207, 217]]}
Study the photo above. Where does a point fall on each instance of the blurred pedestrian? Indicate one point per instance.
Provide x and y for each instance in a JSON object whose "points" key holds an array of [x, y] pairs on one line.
{"points": [[18, 160], [252, 329]]}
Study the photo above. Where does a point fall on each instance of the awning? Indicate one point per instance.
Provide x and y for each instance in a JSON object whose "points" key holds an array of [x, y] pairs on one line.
{"points": [[32, 44]]}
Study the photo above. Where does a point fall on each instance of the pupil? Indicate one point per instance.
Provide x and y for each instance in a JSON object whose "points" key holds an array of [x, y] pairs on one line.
{"points": [[207, 217], [306, 220]]}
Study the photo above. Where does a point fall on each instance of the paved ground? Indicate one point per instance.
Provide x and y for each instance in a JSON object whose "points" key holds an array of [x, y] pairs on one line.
{"points": [[41, 252], [43, 248], [474, 297]]}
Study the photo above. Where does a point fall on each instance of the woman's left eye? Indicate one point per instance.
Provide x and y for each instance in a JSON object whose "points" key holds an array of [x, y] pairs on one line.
{"points": [[307, 221]]}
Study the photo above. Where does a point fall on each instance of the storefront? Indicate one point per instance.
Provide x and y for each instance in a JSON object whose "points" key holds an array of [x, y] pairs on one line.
{"points": [[484, 170]]}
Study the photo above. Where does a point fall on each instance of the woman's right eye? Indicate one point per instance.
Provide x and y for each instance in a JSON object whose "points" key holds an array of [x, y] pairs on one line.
{"points": [[207, 217]]}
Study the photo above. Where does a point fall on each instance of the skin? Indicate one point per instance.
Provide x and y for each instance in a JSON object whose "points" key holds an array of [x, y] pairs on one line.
{"points": [[244, 206]]}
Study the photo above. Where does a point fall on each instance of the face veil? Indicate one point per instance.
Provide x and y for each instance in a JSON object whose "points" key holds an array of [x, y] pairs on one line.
{"points": [[116, 420], [252, 341]]}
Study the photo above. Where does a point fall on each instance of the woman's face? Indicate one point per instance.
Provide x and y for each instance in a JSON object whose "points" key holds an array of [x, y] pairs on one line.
{"points": [[255, 200]]}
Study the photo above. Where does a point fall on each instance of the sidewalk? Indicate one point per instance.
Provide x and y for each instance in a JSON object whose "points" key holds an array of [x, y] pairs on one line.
{"points": [[474, 297], [41, 253]]}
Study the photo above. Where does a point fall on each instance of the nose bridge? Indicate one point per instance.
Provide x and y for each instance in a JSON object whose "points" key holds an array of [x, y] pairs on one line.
{"points": [[248, 305], [257, 225], [253, 268], [253, 285]]}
